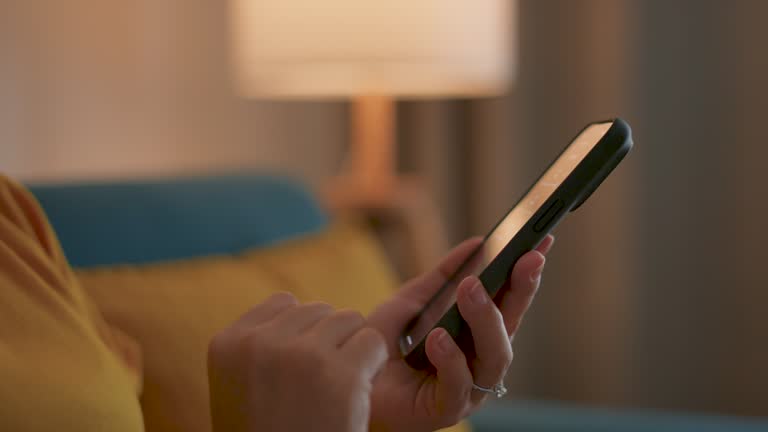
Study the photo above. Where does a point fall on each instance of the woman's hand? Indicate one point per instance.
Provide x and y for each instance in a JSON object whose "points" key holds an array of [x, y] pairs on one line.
{"points": [[407, 400], [289, 367]]}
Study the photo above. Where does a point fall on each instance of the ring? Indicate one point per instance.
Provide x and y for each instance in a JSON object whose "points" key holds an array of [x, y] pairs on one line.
{"points": [[498, 390]]}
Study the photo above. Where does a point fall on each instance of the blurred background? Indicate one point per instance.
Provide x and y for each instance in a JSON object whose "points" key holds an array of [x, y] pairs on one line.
{"points": [[654, 296]]}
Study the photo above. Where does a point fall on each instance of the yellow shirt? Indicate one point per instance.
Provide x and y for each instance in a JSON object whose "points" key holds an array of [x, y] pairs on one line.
{"points": [[62, 368]]}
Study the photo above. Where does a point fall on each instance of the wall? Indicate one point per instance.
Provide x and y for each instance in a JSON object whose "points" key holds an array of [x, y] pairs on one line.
{"points": [[701, 94], [108, 88]]}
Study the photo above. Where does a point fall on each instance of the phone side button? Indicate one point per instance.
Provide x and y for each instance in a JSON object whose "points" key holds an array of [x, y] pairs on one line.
{"points": [[548, 216]]}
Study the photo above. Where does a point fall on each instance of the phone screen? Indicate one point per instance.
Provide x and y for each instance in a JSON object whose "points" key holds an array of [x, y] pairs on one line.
{"points": [[504, 232]]}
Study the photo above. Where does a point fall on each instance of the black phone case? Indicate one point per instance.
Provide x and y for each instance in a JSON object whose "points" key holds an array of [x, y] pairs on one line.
{"points": [[569, 196]]}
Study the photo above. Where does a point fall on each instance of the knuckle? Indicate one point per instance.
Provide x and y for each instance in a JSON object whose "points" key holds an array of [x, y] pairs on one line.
{"points": [[282, 297], [314, 310], [318, 306], [352, 317]]}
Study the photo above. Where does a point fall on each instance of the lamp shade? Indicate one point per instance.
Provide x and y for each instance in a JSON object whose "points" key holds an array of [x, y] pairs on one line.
{"points": [[347, 48]]}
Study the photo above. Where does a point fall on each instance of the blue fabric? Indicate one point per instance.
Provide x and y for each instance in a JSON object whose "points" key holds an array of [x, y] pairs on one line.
{"points": [[141, 222], [554, 417]]}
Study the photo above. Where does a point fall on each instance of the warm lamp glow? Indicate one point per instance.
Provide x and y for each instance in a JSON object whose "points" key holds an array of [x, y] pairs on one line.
{"points": [[400, 48]]}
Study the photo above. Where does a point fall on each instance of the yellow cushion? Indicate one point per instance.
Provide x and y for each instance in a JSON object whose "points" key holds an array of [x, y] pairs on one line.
{"points": [[173, 309]]}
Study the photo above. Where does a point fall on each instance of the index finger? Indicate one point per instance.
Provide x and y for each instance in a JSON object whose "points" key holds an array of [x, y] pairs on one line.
{"points": [[422, 288]]}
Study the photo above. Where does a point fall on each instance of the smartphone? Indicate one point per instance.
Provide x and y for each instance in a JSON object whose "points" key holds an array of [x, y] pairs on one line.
{"points": [[564, 186]]}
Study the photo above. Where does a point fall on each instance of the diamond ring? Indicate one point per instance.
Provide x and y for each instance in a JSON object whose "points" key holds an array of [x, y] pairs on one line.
{"points": [[498, 390]]}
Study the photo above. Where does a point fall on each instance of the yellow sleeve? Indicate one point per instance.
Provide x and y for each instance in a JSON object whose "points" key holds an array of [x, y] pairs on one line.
{"points": [[61, 366]]}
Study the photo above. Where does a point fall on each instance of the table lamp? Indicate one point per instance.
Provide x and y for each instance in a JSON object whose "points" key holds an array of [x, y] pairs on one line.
{"points": [[371, 52]]}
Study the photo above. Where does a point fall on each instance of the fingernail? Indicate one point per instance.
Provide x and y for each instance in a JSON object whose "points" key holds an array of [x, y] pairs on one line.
{"points": [[444, 342], [536, 274], [477, 294]]}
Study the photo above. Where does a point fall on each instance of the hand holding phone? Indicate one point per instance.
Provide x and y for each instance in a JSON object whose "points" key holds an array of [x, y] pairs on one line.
{"points": [[431, 399], [568, 182]]}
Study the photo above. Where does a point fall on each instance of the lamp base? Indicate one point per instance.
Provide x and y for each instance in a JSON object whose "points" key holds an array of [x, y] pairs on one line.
{"points": [[371, 186], [405, 212], [373, 148]]}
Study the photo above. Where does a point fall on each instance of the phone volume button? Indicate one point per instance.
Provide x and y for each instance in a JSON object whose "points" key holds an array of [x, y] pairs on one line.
{"points": [[545, 219]]}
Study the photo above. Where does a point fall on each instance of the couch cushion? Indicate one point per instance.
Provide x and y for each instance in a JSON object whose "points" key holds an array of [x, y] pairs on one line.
{"points": [[143, 222]]}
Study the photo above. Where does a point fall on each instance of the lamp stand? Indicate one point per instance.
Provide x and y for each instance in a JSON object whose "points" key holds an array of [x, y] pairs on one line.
{"points": [[373, 147], [371, 185], [370, 176]]}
